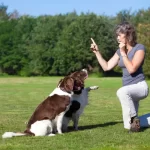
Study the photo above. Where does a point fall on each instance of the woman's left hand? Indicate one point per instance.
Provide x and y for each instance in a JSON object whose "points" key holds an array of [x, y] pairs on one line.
{"points": [[122, 47]]}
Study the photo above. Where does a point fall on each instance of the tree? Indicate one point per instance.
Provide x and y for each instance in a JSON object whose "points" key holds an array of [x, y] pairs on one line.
{"points": [[14, 15], [73, 49], [142, 16], [3, 13], [124, 15], [44, 38], [6, 45], [144, 38]]}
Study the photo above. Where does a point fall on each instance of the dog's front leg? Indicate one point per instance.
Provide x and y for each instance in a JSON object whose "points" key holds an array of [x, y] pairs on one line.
{"points": [[65, 123], [59, 122], [75, 118]]}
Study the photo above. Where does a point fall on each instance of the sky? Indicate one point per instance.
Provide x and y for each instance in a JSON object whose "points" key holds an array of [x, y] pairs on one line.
{"points": [[55, 7]]}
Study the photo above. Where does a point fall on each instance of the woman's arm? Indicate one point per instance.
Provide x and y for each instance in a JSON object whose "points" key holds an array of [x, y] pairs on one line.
{"points": [[135, 63], [103, 63], [107, 65]]}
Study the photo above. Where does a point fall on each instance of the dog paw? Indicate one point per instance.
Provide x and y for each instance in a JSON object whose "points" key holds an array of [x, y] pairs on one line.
{"points": [[60, 132], [75, 128], [94, 87], [51, 134]]}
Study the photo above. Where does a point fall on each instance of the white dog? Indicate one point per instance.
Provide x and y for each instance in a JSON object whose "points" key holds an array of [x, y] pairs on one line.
{"points": [[79, 100]]}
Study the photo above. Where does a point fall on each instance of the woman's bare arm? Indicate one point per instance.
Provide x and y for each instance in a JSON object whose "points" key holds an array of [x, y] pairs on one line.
{"points": [[134, 64], [107, 65], [103, 63]]}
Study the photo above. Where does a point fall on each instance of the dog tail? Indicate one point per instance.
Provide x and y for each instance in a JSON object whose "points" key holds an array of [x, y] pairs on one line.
{"points": [[12, 134], [27, 132]]}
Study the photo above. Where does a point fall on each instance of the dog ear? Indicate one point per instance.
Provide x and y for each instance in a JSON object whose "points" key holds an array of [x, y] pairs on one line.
{"points": [[59, 82], [68, 85]]}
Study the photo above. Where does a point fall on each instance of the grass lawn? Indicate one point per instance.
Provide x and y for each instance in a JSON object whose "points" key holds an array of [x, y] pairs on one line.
{"points": [[100, 127]]}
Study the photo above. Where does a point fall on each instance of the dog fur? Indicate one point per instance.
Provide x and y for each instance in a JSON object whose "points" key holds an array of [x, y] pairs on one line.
{"points": [[49, 112], [79, 100]]}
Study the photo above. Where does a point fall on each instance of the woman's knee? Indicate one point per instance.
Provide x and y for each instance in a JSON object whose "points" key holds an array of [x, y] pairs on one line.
{"points": [[122, 92]]}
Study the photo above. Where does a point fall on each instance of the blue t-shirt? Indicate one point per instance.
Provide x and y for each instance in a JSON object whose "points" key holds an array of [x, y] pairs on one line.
{"points": [[137, 76]]}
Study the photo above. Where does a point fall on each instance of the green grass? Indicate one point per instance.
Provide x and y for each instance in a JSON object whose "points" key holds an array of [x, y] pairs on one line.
{"points": [[100, 127]]}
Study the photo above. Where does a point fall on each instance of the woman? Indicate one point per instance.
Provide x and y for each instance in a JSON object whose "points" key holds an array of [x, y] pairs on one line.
{"points": [[130, 57]]}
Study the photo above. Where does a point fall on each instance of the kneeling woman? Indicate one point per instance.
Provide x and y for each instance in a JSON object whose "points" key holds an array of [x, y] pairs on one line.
{"points": [[130, 57]]}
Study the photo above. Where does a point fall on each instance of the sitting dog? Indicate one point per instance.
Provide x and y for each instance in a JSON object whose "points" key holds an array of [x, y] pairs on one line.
{"points": [[79, 100], [50, 111]]}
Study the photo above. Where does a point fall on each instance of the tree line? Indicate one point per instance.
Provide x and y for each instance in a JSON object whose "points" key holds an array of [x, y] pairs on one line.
{"points": [[60, 44]]}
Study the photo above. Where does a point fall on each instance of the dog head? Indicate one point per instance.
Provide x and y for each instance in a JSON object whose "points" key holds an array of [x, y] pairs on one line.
{"points": [[66, 84], [79, 77]]}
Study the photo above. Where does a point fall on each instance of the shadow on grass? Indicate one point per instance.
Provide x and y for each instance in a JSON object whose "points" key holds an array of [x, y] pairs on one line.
{"points": [[143, 129], [87, 127]]}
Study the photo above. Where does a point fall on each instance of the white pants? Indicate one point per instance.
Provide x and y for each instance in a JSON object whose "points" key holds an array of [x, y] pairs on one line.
{"points": [[129, 97]]}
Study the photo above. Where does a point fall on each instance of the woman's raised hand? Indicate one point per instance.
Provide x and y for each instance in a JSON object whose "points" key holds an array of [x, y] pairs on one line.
{"points": [[94, 46]]}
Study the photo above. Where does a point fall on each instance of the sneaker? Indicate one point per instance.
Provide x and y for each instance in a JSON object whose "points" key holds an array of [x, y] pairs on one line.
{"points": [[135, 125]]}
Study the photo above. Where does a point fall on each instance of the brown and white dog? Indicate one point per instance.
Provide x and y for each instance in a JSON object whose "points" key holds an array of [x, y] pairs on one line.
{"points": [[79, 100], [50, 112], [48, 116]]}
